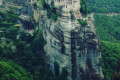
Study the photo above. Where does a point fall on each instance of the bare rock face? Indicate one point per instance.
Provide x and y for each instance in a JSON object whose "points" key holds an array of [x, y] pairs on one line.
{"points": [[72, 45]]}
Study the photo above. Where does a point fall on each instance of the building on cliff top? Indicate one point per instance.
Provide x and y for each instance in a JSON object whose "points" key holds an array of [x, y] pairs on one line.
{"points": [[0, 2], [68, 4]]}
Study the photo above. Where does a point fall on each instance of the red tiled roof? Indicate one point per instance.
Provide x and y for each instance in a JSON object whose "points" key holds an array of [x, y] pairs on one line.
{"points": [[79, 15]]}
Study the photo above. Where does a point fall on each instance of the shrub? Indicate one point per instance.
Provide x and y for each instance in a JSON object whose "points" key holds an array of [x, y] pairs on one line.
{"points": [[82, 22], [12, 32], [83, 7], [51, 11], [41, 2], [54, 17]]}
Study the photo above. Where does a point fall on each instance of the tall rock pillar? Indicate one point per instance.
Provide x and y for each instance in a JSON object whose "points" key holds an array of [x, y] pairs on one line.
{"points": [[70, 44]]}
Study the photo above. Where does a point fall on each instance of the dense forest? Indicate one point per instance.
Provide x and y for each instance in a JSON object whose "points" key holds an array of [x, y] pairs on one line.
{"points": [[19, 47], [108, 29], [104, 6]]}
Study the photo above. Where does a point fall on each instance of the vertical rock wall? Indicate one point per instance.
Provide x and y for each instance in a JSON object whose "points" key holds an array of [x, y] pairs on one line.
{"points": [[73, 46]]}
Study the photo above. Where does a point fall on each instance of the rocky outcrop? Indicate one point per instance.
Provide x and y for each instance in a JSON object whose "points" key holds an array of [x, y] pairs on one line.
{"points": [[70, 44], [73, 46]]}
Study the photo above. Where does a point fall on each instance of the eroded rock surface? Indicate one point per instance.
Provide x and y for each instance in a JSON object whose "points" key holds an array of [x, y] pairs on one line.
{"points": [[70, 44], [73, 46]]}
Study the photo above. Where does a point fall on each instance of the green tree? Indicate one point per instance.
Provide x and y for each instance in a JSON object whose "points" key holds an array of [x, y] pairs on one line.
{"points": [[82, 22], [110, 57], [54, 17], [11, 71], [12, 32]]}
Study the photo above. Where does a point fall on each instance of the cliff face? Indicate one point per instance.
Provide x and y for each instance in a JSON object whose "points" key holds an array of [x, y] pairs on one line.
{"points": [[69, 43], [73, 46]]}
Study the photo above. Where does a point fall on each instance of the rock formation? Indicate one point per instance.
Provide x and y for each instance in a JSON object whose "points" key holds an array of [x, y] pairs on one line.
{"points": [[73, 45], [70, 44]]}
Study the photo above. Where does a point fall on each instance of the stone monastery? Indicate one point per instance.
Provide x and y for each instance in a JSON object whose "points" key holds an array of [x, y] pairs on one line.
{"points": [[68, 4]]}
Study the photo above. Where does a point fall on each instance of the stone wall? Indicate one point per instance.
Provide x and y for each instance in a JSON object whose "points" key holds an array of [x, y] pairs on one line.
{"points": [[68, 5]]}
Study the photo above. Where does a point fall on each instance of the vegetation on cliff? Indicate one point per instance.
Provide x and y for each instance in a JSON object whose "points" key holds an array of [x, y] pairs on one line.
{"points": [[84, 8], [82, 22], [51, 10]]}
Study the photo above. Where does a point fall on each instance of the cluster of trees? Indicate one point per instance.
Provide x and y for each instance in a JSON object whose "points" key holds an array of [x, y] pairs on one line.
{"points": [[11, 71], [110, 58], [84, 8], [13, 49], [104, 6], [10, 17], [108, 29], [82, 22], [51, 10]]}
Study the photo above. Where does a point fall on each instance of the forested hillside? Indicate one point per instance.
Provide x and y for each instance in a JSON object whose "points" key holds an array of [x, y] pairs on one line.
{"points": [[17, 49], [104, 6], [108, 29]]}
